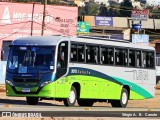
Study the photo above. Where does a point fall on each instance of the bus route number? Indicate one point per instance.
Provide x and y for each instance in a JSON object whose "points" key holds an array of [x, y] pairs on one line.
{"points": [[140, 74]]}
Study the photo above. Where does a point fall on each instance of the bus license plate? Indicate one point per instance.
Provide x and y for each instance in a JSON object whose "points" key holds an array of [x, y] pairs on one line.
{"points": [[25, 89]]}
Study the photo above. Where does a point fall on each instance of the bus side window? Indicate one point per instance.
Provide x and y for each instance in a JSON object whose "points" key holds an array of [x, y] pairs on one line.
{"points": [[121, 57], [150, 60], [90, 56], [96, 51], [125, 57], [138, 58], [104, 55], [107, 55], [117, 57], [62, 59], [144, 59], [132, 58], [110, 56], [63, 55], [80, 49], [74, 52]]}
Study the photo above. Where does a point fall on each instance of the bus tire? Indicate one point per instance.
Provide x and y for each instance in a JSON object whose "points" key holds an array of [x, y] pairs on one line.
{"points": [[72, 98], [123, 99], [32, 100], [88, 103]]}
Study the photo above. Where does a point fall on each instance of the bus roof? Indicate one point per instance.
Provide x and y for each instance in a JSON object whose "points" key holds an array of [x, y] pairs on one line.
{"points": [[53, 40], [110, 42], [37, 40]]}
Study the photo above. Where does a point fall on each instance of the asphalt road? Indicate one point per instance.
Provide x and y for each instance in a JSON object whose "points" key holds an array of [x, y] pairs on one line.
{"points": [[48, 108]]}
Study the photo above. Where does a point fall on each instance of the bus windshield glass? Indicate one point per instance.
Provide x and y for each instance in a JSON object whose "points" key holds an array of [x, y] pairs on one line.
{"points": [[31, 59]]}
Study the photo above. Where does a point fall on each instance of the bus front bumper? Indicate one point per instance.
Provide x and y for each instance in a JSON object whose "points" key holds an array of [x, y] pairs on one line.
{"points": [[46, 91]]}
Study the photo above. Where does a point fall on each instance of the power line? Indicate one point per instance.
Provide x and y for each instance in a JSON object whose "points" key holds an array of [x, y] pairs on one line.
{"points": [[15, 23], [24, 26], [53, 29]]}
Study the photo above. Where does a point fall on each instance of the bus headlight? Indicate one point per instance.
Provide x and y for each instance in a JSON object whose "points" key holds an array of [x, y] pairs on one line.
{"points": [[45, 83], [9, 82]]}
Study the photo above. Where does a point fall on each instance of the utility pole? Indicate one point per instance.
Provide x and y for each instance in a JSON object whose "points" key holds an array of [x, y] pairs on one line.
{"points": [[44, 15], [32, 19]]}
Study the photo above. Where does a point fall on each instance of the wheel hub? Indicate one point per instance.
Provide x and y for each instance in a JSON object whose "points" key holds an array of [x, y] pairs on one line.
{"points": [[124, 98], [72, 97]]}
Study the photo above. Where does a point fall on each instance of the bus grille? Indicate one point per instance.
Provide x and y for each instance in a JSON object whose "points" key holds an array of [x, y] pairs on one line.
{"points": [[26, 81]]}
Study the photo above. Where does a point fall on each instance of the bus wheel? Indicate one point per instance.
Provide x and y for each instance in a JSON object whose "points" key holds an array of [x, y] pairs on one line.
{"points": [[85, 103], [32, 100], [123, 100], [72, 98]]}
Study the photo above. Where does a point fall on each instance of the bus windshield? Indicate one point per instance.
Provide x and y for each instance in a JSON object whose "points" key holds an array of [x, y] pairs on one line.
{"points": [[31, 59]]}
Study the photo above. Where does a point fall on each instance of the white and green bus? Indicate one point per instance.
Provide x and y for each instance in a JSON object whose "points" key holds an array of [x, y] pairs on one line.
{"points": [[83, 68]]}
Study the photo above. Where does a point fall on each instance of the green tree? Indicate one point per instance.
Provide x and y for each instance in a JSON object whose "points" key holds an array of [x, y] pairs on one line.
{"points": [[154, 12], [113, 9], [103, 10], [81, 11], [91, 8], [126, 8]]}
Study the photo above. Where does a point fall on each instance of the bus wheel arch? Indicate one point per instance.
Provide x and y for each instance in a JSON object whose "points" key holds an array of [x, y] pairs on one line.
{"points": [[124, 97], [128, 89], [76, 85], [74, 94]]}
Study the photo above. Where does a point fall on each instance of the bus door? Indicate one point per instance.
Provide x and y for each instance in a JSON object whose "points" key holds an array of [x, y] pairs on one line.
{"points": [[62, 63]]}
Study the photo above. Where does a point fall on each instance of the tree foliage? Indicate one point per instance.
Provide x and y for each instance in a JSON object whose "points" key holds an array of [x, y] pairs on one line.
{"points": [[154, 12], [126, 8], [91, 8], [103, 10], [81, 11], [114, 9]]}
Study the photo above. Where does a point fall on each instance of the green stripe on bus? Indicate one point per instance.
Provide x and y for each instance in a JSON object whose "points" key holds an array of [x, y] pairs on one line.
{"points": [[135, 88], [139, 92]]}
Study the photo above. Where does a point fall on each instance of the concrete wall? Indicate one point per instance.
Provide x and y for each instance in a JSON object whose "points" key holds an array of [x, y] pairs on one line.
{"points": [[120, 22], [126, 34], [149, 24], [89, 19], [157, 23]]}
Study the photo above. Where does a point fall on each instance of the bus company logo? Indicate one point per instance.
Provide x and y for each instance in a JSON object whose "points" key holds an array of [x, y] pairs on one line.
{"points": [[74, 71]]}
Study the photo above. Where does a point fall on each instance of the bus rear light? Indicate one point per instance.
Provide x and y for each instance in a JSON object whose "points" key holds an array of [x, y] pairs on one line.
{"points": [[45, 83], [9, 82]]}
